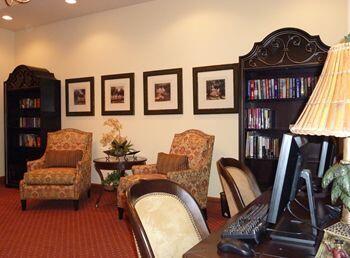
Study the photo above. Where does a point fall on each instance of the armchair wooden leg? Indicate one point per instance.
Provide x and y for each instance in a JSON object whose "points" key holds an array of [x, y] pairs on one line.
{"points": [[76, 204], [205, 214], [89, 193], [120, 213], [24, 204]]}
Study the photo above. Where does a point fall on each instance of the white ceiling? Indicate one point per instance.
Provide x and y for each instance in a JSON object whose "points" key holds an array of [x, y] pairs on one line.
{"points": [[39, 12]]}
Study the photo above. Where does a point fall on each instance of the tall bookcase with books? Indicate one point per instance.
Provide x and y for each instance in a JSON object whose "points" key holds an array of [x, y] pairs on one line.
{"points": [[277, 77], [32, 108]]}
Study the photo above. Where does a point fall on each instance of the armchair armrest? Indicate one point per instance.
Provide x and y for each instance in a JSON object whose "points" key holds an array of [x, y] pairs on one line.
{"points": [[144, 169], [36, 164], [83, 176], [195, 181]]}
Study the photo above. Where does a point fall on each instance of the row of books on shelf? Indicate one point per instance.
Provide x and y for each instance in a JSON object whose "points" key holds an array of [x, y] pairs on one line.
{"points": [[29, 103], [29, 122], [281, 88], [260, 118], [261, 147], [29, 140]]}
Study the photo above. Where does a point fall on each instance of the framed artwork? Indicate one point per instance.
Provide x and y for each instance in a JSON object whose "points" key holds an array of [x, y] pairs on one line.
{"points": [[163, 92], [80, 97], [117, 92], [215, 89]]}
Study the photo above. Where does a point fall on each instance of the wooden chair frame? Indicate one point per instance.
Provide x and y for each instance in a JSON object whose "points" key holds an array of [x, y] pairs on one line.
{"points": [[231, 162], [165, 186]]}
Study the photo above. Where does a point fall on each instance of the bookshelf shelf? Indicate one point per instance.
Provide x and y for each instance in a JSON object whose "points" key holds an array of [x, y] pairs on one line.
{"points": [[32, 108], [262, 159], [278, 74], [268, 130], [303, 99]]}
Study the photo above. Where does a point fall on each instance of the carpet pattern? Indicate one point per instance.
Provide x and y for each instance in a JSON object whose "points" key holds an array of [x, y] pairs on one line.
{"points": [[54, 229]]}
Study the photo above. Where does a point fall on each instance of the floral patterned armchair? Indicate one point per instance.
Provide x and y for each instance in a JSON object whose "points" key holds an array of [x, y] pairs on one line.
{"points": [[198, 147], [43, 182]]}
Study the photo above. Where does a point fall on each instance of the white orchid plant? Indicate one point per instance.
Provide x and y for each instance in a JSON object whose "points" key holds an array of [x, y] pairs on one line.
{"points": [[118, 145]]}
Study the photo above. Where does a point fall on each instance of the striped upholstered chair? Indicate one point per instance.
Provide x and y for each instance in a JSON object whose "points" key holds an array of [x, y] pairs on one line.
{"points": [[63, 172]]}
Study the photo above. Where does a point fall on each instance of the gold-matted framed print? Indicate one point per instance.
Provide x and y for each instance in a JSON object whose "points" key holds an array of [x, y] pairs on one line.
{"points": [[80, 97], [215, 89], [163, 92], [117, 94]]}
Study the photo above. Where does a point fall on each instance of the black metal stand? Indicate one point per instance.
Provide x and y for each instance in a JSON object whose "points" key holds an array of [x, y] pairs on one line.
{"points": [[296, 231]]}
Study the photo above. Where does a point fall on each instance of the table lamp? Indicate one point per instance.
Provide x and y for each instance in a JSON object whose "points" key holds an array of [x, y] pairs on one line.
{"points": [[327, 113]]}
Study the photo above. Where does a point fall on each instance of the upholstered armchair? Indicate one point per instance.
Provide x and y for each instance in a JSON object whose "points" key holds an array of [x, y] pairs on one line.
{"points": [[63, 172], [198, 147]]}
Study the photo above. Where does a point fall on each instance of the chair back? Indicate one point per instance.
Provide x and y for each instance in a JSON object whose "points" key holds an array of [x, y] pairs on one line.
{"points": [[70, 139], [165, 218], [196, 145], [238, 183]]}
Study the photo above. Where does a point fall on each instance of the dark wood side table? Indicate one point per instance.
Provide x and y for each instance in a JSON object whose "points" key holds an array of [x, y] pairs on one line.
{"points": [[122, 164]]}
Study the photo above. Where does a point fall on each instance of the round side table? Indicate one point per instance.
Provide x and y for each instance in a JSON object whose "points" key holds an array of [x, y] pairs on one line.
{"points": [[121, 164]]}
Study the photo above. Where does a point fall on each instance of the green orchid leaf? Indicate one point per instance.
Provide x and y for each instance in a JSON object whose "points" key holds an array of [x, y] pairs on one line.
{"points": [[336, 192], [346, 200], [344, 183], [335, 171]]}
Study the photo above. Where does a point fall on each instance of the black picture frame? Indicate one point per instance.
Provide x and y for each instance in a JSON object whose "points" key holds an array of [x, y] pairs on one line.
{"points": [[131, 94], [69, 83], [234, 108], [178, 107]]}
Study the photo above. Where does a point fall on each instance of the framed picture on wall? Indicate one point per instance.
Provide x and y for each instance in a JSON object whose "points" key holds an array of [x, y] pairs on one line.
{"points": [[117, 93], [163, 92], [80, 97], [215, 89]]}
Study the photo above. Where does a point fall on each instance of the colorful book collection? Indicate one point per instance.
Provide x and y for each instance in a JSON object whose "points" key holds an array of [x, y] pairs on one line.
{"points": [[29, 122], [29, 140], [29, 103], [260, 118], [281, 88], [261, 147]]}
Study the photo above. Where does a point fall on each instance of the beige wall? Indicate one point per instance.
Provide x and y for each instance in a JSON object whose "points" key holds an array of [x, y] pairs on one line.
{"points": [[348, 13], [7, 58], [169, 34]]}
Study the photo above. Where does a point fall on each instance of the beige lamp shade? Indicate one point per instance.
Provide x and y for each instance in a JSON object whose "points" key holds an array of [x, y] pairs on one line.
{"points": [[328, 110]]}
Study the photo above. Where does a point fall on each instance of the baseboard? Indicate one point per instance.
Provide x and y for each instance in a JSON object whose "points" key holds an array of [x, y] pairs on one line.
{"points": [[214, 199], [2, 180]]}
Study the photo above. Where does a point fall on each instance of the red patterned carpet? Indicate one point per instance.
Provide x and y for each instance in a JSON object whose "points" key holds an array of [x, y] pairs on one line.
{"points": [[54, 229]]}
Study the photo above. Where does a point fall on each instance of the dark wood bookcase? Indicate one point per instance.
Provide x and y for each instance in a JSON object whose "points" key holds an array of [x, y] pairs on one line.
{"points": [[278, 76], [32, 106]]}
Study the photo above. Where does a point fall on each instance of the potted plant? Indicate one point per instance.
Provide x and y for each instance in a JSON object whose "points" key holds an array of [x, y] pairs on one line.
{"points": [[118, 145], [112, 180], [339, 174]]}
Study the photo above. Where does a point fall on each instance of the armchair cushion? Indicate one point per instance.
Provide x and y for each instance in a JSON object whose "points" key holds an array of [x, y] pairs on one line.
{"points": [[63, 158], [171, 162], [50, 176]]}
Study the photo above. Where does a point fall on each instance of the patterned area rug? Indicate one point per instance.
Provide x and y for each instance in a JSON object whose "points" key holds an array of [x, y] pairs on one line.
{"points": [[54, 229]]}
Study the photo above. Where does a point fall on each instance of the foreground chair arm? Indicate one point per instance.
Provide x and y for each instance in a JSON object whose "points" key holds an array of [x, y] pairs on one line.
{"points": [[144, 169], [195, 181]]}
